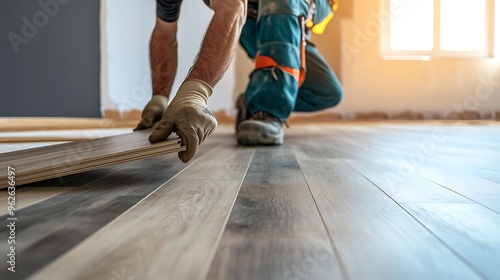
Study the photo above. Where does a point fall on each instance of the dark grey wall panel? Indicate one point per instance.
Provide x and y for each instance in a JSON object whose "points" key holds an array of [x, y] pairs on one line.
{"points": [[49, 58]]}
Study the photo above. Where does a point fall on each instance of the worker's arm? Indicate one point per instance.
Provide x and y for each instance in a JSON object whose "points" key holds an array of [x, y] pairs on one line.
{"points": [[188, 114], [163, 59]]}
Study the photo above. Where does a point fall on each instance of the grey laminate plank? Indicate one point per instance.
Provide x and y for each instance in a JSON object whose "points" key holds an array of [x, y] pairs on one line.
{"points": [[50, 229], [375, 237], [319, 146], [11, 147], [172, 233], [116, 143], [470, 230], [482, 191], [78, 167], [274, 230], [76, 180], [27, 196], [485, 168], [404, 187], [224, 162], [64, 159]]}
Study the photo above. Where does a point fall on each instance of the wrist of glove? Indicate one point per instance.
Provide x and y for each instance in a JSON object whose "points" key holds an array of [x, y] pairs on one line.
{"points": [[153, 112], [189, 116]]}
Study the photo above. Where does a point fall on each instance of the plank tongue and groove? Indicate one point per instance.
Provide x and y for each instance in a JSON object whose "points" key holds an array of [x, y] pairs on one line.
{"points": [[42, 163]]}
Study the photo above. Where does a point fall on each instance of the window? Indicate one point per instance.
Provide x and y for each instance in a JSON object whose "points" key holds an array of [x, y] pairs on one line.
{"points": [[424, 29]]}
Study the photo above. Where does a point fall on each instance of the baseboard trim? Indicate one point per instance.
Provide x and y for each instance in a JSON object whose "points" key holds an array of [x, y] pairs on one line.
{"points": [[116, 119]]}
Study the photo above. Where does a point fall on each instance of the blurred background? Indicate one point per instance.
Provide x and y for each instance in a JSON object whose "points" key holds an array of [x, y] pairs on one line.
{"points": [[397, 59]]}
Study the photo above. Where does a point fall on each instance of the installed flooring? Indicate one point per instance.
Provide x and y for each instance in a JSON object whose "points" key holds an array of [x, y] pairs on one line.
{"points": [[379, 200]]}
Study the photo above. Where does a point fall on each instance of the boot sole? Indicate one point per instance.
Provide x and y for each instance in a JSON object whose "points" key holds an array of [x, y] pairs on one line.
{"points": [[254, 138]]}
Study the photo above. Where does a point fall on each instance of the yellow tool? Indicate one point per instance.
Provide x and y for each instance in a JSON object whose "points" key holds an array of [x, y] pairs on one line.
{"points": [[320, 27]]}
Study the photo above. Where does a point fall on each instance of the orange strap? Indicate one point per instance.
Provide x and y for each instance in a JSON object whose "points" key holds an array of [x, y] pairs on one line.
{"points": [[262, 61]]}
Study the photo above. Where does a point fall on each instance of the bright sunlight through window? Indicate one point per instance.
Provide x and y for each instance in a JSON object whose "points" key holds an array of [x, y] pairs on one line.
{"points": [[463, 27], [441, 28], [412, 25]]}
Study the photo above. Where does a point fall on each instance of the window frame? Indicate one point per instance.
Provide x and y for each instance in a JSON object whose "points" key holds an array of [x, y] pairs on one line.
{"points": [[436, 52]]}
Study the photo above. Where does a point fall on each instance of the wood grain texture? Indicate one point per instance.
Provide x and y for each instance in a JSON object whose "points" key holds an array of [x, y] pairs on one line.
{"points": [[11, 147], [223, 162], [76, 180], [52, 228], [403, 186], [479, 190], [156, 236], [274, 230], [318, 207], [27, 196], [38, 123], [58, 135], [54, 161], [375, 237], [469, 229]]}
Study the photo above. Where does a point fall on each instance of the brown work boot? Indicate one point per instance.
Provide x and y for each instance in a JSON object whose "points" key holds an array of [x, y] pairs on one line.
{"points": [[261, 129]]}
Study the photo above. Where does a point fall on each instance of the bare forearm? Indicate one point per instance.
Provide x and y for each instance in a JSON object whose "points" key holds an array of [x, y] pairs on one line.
{"points": [[163, 57], [220, 41]]}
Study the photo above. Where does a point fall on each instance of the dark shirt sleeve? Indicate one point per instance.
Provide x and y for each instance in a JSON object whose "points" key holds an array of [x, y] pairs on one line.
{"points": [[168, 10]]}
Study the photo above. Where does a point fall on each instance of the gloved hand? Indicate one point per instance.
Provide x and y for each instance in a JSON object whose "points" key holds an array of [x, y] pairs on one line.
{"points": [[152, 112], [189, 116]]}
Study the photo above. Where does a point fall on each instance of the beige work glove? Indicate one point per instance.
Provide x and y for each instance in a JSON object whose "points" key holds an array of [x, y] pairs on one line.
{"points": [[152, 112], [189, 116]]}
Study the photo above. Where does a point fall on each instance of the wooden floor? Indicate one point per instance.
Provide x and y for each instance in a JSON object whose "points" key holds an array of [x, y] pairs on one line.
{"points": [[409, 200]]}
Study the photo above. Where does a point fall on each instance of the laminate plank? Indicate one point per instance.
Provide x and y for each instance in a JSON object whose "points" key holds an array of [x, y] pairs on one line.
{"points": [[469, 151], [50, 229], [69, 158], [403, 187], [11, 147], [274, 230], [319, 146], [481, 167], [76, 180], [87, 166], [66, 155], [224, 162], [117, 143], [58, 135], [171, 233], [38, 123], [27, 196], [479, 190], [375, 237], [470, 230]]}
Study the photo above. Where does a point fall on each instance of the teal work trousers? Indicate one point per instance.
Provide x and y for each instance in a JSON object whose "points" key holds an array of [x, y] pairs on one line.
{"points": [[277, 35]]}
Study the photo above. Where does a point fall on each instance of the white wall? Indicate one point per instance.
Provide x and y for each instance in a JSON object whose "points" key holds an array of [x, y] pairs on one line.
{"points": [[126, 29], [370, 82]]}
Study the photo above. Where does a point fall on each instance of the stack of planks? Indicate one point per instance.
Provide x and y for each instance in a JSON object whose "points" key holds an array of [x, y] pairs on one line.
{"points": [[55, 161]]}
